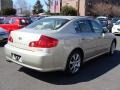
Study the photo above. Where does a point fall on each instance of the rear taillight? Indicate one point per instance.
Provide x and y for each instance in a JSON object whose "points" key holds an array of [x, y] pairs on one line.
{"points": [[44, 42], [10, 39]]}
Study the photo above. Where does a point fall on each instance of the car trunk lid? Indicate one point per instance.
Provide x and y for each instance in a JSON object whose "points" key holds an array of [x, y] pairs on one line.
{"points": [[23, 37]]}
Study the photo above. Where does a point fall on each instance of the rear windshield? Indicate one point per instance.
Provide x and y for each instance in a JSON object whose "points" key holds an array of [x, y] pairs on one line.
{"points": [[48, 23]]}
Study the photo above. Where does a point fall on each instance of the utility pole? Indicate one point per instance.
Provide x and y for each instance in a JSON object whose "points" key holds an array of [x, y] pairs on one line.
{"points": [[61, 5], [78, 7]]}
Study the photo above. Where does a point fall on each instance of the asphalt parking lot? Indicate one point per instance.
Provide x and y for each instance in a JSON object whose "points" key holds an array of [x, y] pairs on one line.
{"points": [[102, 73]]}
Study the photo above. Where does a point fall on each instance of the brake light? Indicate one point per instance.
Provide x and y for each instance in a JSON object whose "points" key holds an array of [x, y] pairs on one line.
{"points": [[10, 39], [44, 42]]}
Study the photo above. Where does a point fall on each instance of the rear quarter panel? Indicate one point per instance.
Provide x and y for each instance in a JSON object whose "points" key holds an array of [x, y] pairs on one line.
{"points": [[68, 41]]}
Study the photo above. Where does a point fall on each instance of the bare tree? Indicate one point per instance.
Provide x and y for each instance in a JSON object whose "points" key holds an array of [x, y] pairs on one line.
{"points": [[48, 4], [22, 6], [116, 11], [102, 9]]}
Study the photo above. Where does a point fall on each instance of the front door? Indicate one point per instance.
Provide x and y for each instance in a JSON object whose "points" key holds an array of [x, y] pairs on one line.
{"points": [[88, 39], [102, 42]]}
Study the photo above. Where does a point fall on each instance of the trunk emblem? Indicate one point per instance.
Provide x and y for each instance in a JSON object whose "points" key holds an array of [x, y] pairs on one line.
{"points": [[20, 38]]}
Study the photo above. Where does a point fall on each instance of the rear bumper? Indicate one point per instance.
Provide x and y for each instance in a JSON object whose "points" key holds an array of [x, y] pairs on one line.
{"points": [[28, 66], [39, 61]]}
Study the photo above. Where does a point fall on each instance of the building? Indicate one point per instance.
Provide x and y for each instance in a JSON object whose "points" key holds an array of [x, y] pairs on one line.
{"points": [[55, 6], [83, 6], [79, 5], [6, 4]]}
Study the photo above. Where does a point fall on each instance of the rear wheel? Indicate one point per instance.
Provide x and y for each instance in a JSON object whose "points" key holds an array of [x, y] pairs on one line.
{"points": [[73, 63]]}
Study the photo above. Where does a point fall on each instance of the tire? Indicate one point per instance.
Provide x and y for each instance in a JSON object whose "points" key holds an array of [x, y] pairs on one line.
{"points": [[73, 63], [112, 48]]}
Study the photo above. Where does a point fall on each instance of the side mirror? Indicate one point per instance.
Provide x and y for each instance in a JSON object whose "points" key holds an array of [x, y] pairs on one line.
{"points": [[105, 30]]}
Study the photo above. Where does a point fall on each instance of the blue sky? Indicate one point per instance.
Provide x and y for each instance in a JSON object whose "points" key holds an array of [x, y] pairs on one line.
{"points": [[32, 2]]}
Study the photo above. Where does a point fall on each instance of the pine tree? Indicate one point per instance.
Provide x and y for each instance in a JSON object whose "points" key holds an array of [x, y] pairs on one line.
{"points": [[38, 8]]}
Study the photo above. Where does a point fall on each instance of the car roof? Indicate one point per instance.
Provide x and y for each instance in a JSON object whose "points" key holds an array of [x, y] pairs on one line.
{"points": [[71, 17], [115, 18], [16, 17], [103, 17]]}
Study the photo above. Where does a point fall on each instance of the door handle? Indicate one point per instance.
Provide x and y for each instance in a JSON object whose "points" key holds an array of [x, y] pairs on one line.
{"points": [[98, 37], [87, 38]]}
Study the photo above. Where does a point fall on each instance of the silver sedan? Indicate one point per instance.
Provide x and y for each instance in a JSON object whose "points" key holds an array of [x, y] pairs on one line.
{"points": [[59, 43]]}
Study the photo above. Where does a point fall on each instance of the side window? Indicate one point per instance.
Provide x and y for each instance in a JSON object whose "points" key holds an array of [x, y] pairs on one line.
{"points": [[77, 26], [82, 26], [85, 26], [96, 27], [13, 21], [7, 21]]}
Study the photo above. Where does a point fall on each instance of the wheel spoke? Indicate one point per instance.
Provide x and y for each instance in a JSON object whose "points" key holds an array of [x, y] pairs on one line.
{"points": [[75, 69], [71, 67], [78, 64], [74, 57], [74, 63], [77, 56], [78, 61], [71, 62]]}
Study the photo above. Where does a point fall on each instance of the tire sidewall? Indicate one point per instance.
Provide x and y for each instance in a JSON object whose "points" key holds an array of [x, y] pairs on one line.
{"points": [[67, 70], [110, 52]]}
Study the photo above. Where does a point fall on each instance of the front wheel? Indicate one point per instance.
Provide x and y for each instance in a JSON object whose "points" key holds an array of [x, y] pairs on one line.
{"points": [[73, 63], [112, 48]]}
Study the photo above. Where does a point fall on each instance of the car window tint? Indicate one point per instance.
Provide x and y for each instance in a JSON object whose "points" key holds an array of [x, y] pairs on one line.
{"points": [[13, 21], [82, 26], [77, 26], [96, 27], [7, 21], [1, 21], [85, 26]]}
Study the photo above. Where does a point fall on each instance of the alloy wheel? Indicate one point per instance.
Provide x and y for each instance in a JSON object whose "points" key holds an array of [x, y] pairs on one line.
{"points": [[75, 63], [113, 47]]}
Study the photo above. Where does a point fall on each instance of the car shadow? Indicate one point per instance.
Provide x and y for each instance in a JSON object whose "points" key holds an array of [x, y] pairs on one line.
{"points": [[2, 44], [89, 71]]}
